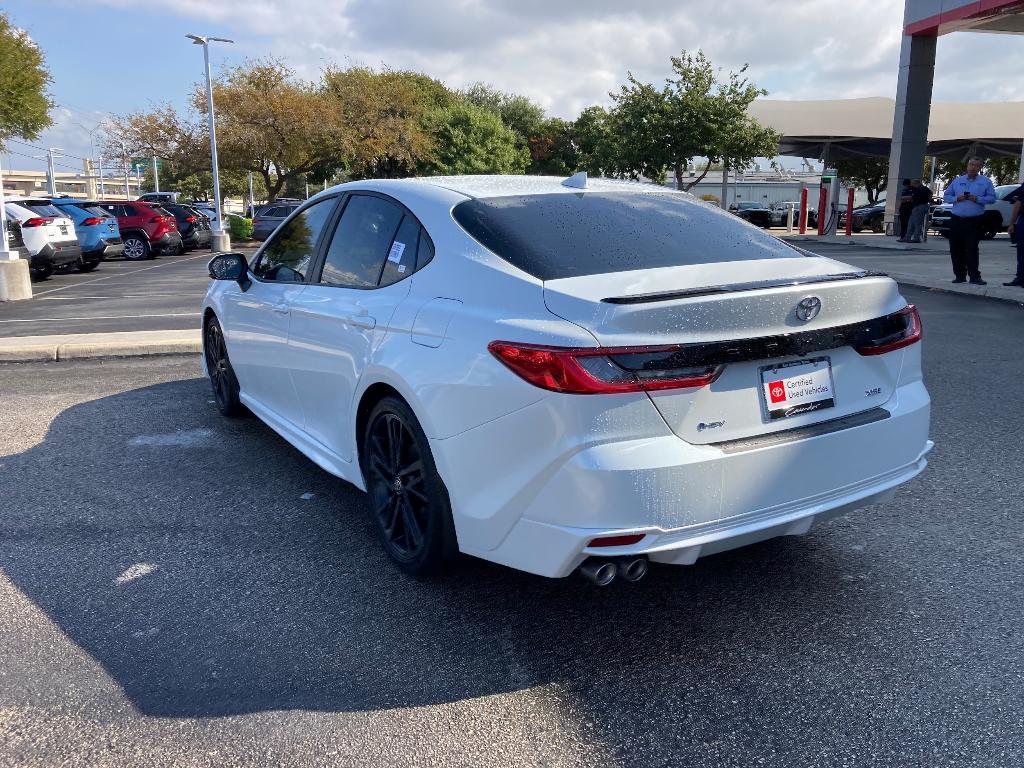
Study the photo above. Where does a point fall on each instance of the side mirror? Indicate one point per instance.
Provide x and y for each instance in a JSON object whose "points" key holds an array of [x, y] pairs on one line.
{"points": [[230, 266]]}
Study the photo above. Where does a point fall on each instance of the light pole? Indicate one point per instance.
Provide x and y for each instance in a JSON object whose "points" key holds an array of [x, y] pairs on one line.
{"points": [[97, 162], [220, 240], [5, 253]]}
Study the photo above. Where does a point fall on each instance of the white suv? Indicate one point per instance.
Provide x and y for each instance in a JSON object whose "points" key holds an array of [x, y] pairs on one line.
{"points": [[48, 234]]}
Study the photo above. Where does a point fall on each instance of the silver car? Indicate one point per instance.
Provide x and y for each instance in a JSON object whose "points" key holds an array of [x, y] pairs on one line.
{"points": [[269, 218]]}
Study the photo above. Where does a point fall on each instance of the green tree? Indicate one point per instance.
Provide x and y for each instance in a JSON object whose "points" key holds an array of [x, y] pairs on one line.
{"points": [[594, 142], [552, 150], [696, 113], [388, 114], [470, 139], [517, 112], [24, 102], [871, 173], [276, 125]]}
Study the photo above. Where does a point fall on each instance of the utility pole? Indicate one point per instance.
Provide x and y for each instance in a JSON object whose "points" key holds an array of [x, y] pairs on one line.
{"points": [[307, 190], [156, 176], [51, 180], [252, 202], [124, 155], [99, 168]]}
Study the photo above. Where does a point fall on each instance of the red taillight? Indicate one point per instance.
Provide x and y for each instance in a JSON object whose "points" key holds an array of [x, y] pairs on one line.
{"points": [[909, 333], [190, 218], [616, 541], [591, 370], [92, 221], [36, 221]]}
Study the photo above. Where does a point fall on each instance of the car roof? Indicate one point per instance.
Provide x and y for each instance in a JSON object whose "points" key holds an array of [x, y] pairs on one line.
{"points": [[506, 186]]}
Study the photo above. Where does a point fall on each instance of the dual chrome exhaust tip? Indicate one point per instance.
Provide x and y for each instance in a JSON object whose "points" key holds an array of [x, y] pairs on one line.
{"points": [[603, 571]]}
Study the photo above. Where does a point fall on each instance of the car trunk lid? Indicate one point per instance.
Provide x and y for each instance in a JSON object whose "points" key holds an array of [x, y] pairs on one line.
{"points": [[744, 315]]}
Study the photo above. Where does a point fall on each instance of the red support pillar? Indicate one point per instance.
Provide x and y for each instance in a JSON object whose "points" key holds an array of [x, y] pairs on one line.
{"points": [[822, 214], [849, 212], [803, 211]]}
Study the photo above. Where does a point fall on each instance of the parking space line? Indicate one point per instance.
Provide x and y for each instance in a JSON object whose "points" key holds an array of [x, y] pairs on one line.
{"points": [[123, 274]]}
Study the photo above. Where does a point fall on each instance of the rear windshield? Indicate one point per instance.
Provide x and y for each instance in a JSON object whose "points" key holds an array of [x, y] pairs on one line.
{"points": [[43, 209], [591, 233]]}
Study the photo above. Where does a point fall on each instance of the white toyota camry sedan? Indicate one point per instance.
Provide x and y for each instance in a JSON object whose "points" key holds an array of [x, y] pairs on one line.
{"points": [[565, 375]]}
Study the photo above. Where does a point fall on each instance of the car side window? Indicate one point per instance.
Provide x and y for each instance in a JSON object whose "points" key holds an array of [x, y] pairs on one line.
{"points": [[401, 259], [362, 242], [425, 252], [287, 255]]}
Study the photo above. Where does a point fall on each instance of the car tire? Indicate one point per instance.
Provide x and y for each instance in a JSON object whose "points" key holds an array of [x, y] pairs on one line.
{"points": [[408, 505], [87, 266], [136, 249], [42, 273], [878, 226], [218, 368]]}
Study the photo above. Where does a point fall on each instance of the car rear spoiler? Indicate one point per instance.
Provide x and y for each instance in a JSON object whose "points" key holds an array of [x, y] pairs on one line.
{"points": [[711, 290]]}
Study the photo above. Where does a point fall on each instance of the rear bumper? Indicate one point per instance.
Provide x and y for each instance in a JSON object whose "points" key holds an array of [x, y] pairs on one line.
{"points": [[105, 249], [689, 501], [51, 256], [197, 238], [167, 241]]}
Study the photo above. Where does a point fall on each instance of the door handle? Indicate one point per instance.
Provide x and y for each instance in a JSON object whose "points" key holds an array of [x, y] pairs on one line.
{"points": [[281, 309], [362, 320]]}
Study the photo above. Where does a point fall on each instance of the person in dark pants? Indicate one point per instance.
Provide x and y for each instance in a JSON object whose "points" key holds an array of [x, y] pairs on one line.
{"points": [[906, 207], [1016, 230], [921, 196], [969, 195]]}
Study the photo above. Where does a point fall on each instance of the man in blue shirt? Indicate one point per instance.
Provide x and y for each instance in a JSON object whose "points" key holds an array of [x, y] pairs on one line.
{"points": [[969, 195]]}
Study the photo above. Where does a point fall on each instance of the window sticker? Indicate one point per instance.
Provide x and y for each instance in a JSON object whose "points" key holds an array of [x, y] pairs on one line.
{"points": [[395, 254]]}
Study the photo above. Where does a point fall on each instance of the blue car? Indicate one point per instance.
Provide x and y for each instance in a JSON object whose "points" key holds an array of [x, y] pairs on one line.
{"points": [[97, 231]]}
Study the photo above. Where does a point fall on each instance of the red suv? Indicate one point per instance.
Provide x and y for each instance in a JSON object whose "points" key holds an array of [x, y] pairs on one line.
{"points": [[145, 229]]}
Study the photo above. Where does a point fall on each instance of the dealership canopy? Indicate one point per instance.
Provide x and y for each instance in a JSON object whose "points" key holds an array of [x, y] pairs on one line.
{"points": [[864, 127]]}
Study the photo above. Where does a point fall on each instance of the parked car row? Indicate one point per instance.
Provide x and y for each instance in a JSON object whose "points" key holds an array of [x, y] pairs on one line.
{"points": [[65, 232], [774, 215], [46, 233]]}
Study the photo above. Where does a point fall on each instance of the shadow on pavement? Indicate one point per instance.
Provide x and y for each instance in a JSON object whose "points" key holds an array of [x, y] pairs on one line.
{"points": [[177, 551]]}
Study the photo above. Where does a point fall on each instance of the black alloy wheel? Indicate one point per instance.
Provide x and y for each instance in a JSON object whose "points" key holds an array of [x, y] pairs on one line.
{"points": [[409, 504], [222, 375]]}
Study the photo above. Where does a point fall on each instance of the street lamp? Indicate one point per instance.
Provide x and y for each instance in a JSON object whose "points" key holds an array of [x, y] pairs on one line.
{"points": [[97, 163], [221, 242]]}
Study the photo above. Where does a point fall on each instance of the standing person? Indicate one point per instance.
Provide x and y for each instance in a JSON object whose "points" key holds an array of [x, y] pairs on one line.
{"points": [[1016, 230], [906, 205], [920, 197], [969, 195]]}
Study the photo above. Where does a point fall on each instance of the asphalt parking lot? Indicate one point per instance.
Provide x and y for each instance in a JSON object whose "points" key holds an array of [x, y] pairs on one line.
{"points": [[178, 589], [158, 294]]}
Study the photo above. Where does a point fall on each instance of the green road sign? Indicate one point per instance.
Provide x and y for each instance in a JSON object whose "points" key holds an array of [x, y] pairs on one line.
{"points": [[142, 164]]}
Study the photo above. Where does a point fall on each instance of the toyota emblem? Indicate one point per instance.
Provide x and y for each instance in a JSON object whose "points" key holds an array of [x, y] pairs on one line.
{"points": [[808, 308]]}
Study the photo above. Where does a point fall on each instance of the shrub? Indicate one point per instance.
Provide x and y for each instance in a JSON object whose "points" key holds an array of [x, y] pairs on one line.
{"points": [[240, 228], [711, 199]]}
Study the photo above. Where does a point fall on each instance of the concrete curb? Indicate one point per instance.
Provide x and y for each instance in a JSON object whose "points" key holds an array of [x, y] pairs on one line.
{"points": [[99, 345], [998, 292]]}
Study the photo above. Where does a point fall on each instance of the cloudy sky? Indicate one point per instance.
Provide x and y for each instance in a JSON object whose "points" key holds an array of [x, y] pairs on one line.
{"points": [[124, 55]]}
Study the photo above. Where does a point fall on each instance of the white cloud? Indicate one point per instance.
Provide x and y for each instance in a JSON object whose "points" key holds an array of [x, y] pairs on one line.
{"points": [[569, 55]]}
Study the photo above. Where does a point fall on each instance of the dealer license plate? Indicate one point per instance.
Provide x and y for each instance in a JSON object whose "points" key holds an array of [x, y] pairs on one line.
{"points": [[795, 388]]}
